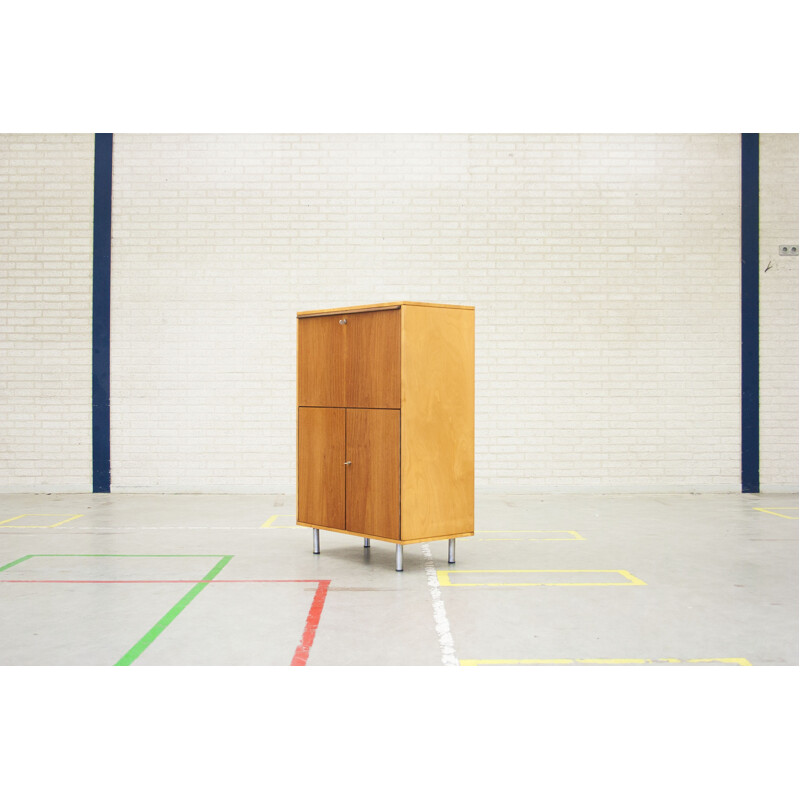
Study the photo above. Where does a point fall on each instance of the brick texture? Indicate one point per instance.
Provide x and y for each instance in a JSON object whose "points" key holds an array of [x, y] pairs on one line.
{"points": [[46, 196], [778, 295], [604, 268]]}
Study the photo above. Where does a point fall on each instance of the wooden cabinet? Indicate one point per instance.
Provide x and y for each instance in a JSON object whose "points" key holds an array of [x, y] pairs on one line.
{"points": [[320, 455], [385, 422]]}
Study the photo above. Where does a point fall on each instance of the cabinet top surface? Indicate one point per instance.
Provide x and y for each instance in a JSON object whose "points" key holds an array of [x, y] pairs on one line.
{"points": [[378, 307]]}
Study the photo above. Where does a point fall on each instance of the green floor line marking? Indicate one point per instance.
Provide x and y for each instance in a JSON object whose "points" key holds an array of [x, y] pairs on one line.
{"points": [[169, 617], [14, 563]]}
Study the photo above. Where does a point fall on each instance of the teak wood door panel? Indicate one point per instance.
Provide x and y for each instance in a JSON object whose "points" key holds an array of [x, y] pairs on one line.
{"points": [[349, 360], [373, 474], [372, 372], [320, 466], [321, 351]]}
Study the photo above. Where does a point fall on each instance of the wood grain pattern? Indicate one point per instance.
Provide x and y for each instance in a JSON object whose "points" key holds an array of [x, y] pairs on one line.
{"points": [[321, 344], [372, 372], [373, 476], [375, 307], [320, 467], [438, 415], [415, 357], [388, 539]]}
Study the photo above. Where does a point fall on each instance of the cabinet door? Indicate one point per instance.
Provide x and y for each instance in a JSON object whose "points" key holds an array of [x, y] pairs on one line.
{"points": [[320, 467], [373, 474], [373, 359], [320, 361]]}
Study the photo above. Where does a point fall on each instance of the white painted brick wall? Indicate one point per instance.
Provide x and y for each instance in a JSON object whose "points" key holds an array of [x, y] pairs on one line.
{"points": [[778, 311], [46, 197], [604, 268]]}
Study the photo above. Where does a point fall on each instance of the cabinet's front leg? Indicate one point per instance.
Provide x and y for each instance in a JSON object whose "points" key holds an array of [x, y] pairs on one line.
{"points": [[451, 551], [366, 542], [316, 539], [398, 558]]}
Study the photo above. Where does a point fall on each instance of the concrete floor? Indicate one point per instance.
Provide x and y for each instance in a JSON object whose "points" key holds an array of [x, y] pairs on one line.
{"points": [[673, 580]]}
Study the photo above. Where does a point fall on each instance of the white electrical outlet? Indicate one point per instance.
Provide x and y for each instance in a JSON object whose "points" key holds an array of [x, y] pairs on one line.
{"points": [[788, 249]]}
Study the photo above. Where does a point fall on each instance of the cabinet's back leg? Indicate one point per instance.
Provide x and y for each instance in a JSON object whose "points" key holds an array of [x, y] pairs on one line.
{"points": [[316, 539], [451, 551], [366, 542]]}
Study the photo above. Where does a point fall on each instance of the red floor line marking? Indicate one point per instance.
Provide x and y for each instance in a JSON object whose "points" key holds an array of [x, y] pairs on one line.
{"points": [[312, 621], [301, 654]]}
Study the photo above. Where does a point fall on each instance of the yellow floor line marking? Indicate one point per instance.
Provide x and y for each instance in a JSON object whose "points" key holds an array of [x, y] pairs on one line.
{"points": [[271, 520], [54, 525], [741, 662], [69, 519], [444, 577], [773, 509]]}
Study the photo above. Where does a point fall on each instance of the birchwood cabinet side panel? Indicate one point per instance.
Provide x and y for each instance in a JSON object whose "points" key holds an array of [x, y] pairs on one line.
{"points": [[438, 422], [373, 472], [372, 377], [320, 466], [321, 347]]}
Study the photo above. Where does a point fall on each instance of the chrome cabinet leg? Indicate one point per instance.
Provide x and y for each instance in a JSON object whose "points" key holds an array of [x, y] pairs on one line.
{"points": [[366, 542], [451, 551], [316, 539], [398, 558]]}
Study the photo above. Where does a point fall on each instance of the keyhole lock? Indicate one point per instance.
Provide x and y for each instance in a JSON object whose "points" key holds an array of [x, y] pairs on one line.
{"points": [[343, 322], [347, 463]]}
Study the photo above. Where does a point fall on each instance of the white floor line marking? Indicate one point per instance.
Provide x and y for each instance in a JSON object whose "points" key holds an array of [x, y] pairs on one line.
{"points": [[446, 643]]}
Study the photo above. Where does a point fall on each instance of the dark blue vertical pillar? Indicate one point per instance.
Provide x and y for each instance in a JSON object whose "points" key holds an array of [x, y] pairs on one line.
{"points": [[750, 389], [101, 315]]}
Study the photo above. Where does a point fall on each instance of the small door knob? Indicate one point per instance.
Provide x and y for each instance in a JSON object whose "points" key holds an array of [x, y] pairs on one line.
{"points": [[343, 322]]}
